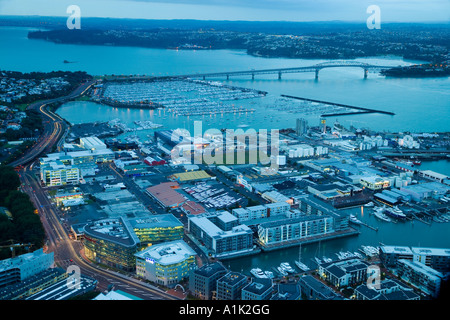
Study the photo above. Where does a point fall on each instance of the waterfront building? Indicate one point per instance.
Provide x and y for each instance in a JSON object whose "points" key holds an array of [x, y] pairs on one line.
{"points": [[388, 289], [203, 281], [92, 143], [295, 229], [389, 255], [257, 289], [313, 289], [17, 269], [166, 263], [429, 174], [56, 173], [229, 286], [111, 242], [157, 228], [311, 205], [301, 127], [221, 233], [436, 258], [425, 278], [345, 272], [426, 190]]}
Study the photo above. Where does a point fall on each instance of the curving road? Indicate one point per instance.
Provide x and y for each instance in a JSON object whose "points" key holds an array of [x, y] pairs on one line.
{"points": [[66, 251]]}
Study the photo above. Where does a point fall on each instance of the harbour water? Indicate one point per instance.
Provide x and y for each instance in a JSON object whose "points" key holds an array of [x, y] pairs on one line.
{"points": [[420, 105]]}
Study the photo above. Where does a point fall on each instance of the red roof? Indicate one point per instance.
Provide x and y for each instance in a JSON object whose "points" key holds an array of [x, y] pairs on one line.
{"points": [[166, 194]]}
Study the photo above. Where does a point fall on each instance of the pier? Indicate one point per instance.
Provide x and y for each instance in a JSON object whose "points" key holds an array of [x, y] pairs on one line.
{"points": [[362, 110]]}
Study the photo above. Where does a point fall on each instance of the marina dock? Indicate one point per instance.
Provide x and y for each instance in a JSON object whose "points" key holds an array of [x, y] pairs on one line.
{"points": [[362, 110]]}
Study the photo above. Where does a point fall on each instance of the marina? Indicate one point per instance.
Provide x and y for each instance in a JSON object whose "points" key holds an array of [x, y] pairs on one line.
{"points": [[179, 97]]}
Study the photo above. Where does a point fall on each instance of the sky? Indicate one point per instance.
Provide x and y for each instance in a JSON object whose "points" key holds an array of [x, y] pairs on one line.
{"points": [[249, 10]]}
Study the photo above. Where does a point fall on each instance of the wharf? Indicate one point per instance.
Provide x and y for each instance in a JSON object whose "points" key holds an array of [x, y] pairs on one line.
{"points": [[293, 243], [362, 110]]}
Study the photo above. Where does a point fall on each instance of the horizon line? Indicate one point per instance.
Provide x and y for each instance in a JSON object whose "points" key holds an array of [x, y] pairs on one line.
{"points": [[226, 20]]}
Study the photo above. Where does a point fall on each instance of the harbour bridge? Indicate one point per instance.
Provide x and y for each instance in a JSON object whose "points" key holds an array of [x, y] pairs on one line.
{"points": [[314, 68]]}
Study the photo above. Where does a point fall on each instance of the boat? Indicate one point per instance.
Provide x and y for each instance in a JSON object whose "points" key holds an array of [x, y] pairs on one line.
{"points": [[282, 272], [318, 260], [303, 267], [370, 204], [370, 251], [269, 274], [354, 220], [327, 260], [287, 267], [258, 273], [378, 212], [395, 212]]}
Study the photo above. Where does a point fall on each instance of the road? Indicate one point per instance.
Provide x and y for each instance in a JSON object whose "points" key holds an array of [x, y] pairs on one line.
{"points": [[54, 125], [66, 251]]}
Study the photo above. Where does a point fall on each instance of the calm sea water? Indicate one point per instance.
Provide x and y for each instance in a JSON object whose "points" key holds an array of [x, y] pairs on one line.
{"points": [[420, 105]]}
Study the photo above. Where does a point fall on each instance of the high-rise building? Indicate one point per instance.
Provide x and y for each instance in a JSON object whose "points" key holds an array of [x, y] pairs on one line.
{"points": [[301, 126]]}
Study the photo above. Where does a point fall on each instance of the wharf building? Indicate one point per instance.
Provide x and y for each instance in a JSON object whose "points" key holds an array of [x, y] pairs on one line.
{"points": [[314, 220], [344, 273], [203, 281], [221, 234], [421, 276], [388, 289], [17, 269], [436, 258], [115, 241], [166, 263], [229, 286]]}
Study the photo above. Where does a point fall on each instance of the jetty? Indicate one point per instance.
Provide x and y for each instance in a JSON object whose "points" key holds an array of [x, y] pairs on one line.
{"points": [[361, 110]]}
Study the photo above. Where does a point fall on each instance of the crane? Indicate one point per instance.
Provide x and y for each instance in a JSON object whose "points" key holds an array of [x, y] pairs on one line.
{"points": [[13, 246]]}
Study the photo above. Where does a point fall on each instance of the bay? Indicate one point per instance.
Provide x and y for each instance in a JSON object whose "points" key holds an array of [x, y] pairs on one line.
{"points": [[420, 105]]}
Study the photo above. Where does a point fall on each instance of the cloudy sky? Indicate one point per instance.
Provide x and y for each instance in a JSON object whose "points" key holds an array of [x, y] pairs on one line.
{"points": [[263, 10]]}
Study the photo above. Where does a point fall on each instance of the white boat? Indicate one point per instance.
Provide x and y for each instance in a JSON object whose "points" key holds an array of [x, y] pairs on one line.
{"points": [[299, 263], [258, 273], [287, 267], [378, 212], [370, 204], [269, 274], [318, 260], [395, 212], [327, 260], [354, 220], [282, 272]]}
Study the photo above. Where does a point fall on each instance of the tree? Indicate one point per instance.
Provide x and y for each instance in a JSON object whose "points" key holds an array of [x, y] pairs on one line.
{"points": [[9, 180]]}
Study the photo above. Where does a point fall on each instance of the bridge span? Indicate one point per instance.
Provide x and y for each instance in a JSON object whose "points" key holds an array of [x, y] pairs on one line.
{"points": [[279, 71]]}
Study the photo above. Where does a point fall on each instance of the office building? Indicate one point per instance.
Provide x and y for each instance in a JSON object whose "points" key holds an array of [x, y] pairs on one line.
{"points": [[166, 263], [17, 269], [56, 173], [157, 228], [230, 285], [221, 233], [111, 242], [257, 289], [203, 281]]}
